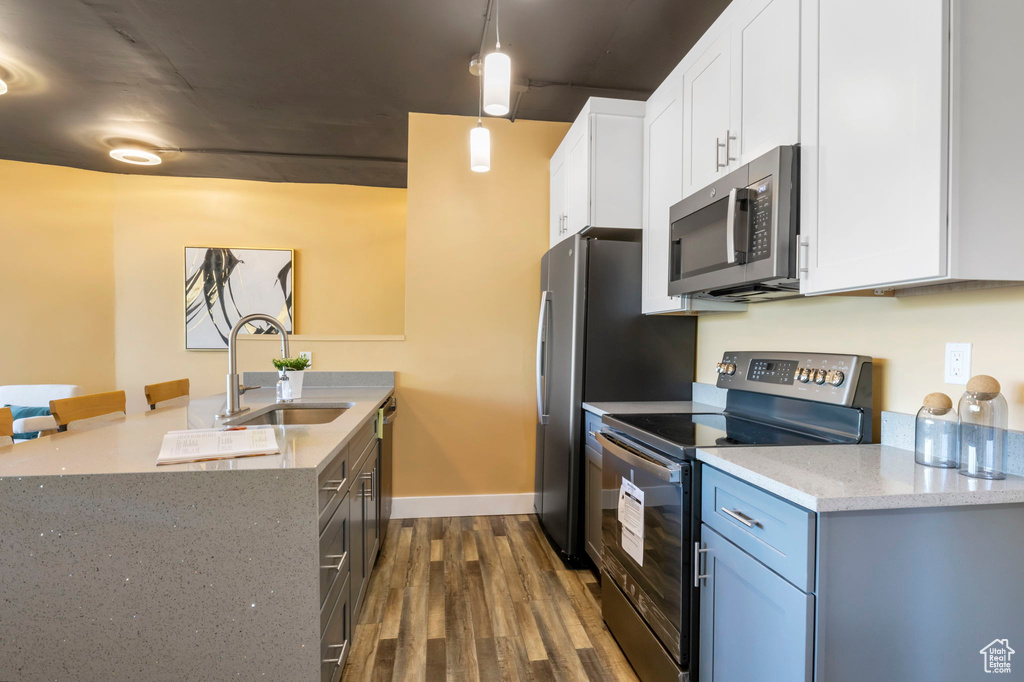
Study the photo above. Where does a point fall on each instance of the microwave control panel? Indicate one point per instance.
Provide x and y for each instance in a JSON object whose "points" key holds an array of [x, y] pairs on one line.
{"points": [[760, 219]]}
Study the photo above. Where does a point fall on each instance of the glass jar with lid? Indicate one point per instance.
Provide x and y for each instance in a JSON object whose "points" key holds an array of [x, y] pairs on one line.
{"points": [[983, 422], [936, 437]]}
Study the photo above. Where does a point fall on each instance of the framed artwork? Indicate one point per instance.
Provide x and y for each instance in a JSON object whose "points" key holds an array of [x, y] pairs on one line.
{"points": [[223, 285]]}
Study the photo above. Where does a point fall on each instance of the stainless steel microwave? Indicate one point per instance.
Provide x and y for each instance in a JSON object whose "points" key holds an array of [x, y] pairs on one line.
{"points": [[736, 239]]}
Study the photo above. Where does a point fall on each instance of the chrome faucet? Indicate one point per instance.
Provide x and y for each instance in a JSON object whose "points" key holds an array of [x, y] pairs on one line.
{"points": [[235, 389]]}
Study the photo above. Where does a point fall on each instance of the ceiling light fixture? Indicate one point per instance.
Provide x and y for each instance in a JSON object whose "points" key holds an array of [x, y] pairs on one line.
{"points": [[3, 87], [136, 156], [480, 139], [497, 73]]}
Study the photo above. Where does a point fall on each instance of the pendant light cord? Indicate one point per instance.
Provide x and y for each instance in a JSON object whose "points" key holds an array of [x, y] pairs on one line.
{"points": [[497, 24]]}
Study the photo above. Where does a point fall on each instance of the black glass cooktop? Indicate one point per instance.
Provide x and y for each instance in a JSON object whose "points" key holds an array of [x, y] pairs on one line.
{"points": [[709, 430]]}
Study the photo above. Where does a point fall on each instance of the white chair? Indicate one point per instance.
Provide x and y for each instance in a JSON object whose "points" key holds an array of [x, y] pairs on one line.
{"points": [[36, 395]]}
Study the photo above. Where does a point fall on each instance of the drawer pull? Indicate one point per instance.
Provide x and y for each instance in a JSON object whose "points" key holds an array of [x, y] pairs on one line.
{"points": [[593, 434], [341, 655], [697, 576], [341, 561], [336, 487], [741, 517]]}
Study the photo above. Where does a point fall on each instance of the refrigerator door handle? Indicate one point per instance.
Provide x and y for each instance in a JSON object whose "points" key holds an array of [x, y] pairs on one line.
{"points": [[545, 296]]}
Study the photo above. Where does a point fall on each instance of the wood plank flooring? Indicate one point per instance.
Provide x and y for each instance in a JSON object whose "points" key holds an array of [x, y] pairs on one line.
{"points": [[479, 599]]}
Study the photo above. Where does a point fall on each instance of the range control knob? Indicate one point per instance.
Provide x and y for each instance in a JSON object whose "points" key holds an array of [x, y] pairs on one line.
{"points": [[805, 375], [720, 367], [730, 368], [836, 378], [819, 377]]}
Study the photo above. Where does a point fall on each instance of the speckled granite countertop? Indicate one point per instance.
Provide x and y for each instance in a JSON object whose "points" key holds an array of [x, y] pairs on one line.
{"points": [[650, 407], [835, 478], [130, 444]]}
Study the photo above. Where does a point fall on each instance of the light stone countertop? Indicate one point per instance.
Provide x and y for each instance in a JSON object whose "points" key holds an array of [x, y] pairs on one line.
{"points": [[835, 478], [650, 407], [129, 445]]}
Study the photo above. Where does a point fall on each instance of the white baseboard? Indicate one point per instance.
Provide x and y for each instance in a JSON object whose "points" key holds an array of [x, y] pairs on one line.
{"points": [[461, 505]]}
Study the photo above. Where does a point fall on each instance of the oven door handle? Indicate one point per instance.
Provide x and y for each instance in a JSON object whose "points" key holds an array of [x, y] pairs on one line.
{"points": [[646, 460]]}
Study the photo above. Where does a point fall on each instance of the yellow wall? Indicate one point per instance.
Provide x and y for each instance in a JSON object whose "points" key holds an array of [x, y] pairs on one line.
{"points": [[56, 278], [473, 249], [905, 335], [349, 263]]}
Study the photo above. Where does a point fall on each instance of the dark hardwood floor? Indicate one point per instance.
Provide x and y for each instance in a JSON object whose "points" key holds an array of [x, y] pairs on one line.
{"points": [[480, 598]]}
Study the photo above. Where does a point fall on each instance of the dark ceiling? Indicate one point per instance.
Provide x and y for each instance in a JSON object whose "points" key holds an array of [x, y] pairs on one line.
{"points": [[307, 90]]}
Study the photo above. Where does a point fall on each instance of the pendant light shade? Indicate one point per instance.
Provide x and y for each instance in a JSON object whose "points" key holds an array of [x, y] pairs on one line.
{"points": [[497, 83], [480, 149]]}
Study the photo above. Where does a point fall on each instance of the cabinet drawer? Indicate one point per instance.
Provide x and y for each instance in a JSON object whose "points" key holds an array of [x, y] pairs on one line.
{"points": [[363, 439], [337, 638], [334, 549], [591, 425], [332, 484], [777, 533]]}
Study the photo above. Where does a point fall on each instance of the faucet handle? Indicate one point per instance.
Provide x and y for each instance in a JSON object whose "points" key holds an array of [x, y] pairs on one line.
{"points": [[242, 388]]}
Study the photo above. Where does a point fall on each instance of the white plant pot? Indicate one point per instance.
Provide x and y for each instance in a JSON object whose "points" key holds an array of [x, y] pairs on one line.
{"points": [[295, 379]]}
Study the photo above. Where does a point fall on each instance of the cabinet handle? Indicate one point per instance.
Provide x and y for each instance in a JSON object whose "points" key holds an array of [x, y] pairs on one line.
{"points": [[804, 257], [718, 155], [697, 576], [336, 488], [729, 137], [341, 656], [741, 517], [341, 561]]}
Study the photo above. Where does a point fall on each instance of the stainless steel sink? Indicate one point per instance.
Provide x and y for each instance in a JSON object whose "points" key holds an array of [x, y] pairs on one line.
{"points": [[283, 415]]}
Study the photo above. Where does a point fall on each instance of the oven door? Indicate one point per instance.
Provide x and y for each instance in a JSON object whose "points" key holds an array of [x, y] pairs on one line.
{"points": [[655, 579]]}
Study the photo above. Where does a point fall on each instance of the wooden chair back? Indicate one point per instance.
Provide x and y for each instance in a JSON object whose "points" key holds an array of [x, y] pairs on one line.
{"points": [[67, 410], [168, 390], [6, 426]]}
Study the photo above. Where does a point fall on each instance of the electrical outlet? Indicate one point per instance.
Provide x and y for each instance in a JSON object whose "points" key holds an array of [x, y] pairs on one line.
{"points": [[309, 356], [958, 363]]}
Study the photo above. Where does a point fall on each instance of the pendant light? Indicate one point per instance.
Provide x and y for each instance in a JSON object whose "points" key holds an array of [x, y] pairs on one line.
{"points": [[480, 139], [497, 73]]}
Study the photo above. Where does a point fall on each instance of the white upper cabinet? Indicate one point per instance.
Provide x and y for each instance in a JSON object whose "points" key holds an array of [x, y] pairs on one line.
{"points": [[597, 170], [707, 113], [765, 78], [741, 89], [909, 144]]}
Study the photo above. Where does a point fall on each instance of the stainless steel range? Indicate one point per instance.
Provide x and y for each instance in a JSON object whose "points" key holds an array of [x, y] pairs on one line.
{"points": [[650, 476]]}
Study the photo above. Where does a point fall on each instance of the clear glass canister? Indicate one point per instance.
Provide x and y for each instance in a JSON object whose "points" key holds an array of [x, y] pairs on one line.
{"points": [[936, 441], [983, 422]]}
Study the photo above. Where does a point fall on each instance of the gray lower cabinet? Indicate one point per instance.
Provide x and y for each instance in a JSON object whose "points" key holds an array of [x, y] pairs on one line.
{"points": [[754, 625], [592, 512], [350, 536]]}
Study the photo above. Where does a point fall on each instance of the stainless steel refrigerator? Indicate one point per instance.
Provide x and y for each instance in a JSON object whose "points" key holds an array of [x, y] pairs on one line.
{"points": [[595, 345]]}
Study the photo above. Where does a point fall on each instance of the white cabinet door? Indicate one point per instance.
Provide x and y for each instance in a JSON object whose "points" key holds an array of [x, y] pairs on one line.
{"points": [[706, 116], [766, 77], [663, 179], [873, 161], [578, 150], [559, 188]]}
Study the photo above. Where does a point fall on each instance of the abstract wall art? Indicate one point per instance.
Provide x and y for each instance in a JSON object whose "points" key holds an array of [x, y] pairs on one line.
{"points": [[223, 285]]}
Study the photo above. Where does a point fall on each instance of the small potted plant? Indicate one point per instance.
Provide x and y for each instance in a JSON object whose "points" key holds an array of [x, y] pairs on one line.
{"points": [[293, 367]]}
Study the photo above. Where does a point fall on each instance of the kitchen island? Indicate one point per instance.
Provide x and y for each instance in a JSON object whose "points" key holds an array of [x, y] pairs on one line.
{"points": [[114, 568]]}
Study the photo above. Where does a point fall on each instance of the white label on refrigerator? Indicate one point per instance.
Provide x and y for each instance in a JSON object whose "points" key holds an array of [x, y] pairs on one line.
{"points": [[631, 516]]}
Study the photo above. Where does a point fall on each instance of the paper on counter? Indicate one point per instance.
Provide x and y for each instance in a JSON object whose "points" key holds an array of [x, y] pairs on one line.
{"points": [[198, 445]]}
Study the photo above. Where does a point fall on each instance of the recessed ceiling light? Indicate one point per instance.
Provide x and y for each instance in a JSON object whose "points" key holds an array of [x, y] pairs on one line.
{"points": [[136, 156], [3, 87]]}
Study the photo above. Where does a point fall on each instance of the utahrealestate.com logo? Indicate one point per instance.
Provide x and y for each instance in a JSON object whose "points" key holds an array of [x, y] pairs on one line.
{"points": [[997, 656]]}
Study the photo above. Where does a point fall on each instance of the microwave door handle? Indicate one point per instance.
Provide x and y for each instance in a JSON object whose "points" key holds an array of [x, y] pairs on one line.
{"points": [[545, 296], [730, 226]]}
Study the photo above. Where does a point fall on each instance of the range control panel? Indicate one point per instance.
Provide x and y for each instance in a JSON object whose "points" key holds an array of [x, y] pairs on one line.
{"points": [[822, 377]]}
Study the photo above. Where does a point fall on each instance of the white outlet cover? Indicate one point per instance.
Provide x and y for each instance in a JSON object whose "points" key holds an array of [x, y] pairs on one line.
{"points": [[309, 356], [958, 363]]}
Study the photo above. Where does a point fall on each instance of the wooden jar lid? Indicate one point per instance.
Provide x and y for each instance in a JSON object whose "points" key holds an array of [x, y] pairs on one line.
{"points": [[983, 383], [938, 401]]}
